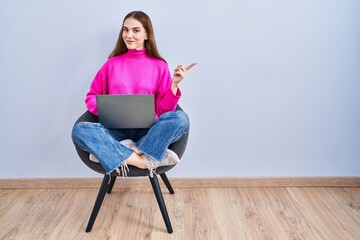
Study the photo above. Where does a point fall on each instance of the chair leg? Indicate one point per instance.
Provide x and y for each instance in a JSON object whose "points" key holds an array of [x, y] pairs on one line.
{"points": [[98, 202], [111, 184], [159, 197], [167, 183]]}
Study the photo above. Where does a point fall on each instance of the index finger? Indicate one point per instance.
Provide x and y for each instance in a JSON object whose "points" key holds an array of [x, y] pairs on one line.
{"points": [[190, 66]]}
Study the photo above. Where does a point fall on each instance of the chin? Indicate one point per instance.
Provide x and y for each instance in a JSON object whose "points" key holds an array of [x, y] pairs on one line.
{"points": [[132, 47]]}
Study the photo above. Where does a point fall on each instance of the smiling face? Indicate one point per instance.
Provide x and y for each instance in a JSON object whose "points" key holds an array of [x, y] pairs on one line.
{"points": [[134, 34]]}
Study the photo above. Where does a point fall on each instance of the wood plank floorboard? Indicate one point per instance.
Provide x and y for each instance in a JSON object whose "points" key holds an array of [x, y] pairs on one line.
{"points": [[196, 213]]}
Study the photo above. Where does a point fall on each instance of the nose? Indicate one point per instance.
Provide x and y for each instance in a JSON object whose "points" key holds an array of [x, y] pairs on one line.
{"points": [[129, 34]]}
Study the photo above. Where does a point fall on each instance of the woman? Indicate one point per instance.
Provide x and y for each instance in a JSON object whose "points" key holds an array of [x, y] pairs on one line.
{"points": [[135, 67]]}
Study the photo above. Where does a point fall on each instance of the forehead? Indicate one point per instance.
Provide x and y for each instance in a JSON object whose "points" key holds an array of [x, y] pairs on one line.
{"points": [[132, 23]]}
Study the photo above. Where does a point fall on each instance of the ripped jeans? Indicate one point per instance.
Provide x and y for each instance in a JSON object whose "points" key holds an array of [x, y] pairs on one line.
{"points": [[105, 143]]}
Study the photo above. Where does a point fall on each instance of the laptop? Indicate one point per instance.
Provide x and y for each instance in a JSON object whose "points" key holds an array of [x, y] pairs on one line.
{"points": [[126, 111]]}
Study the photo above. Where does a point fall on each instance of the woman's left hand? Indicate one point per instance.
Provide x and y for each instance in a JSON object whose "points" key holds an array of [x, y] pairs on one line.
{"points": [[180, 73]]}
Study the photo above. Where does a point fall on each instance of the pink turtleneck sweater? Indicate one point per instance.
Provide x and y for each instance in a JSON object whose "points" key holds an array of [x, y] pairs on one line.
{"points": [[134, 73]]}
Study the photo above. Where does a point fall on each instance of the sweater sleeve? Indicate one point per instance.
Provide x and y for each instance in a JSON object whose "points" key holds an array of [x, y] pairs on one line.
{"points": [[98, 86], [165, 100]]}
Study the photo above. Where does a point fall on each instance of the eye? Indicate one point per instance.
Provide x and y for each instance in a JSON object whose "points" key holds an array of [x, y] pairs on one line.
{"points": [[125, 30], [136, 30]]}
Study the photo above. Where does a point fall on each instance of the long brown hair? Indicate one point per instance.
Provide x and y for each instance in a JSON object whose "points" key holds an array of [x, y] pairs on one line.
{"points": [[150, 43]]}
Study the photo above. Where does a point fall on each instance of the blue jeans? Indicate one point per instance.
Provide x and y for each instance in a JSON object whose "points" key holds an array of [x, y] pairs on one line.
{"points": [[105, 143]]}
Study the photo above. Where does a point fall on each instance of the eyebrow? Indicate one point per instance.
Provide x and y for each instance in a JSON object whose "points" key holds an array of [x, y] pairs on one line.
{"points": [[132, 28]]}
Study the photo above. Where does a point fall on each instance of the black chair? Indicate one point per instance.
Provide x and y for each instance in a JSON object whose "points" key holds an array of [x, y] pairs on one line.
{"points": [[109, 180]]}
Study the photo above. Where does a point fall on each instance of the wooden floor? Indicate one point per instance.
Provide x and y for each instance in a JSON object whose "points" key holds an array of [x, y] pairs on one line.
{"points": [[196, 213]]}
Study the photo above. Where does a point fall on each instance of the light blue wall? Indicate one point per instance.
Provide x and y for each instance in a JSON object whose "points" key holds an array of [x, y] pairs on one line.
{"points": [[276, 91]]}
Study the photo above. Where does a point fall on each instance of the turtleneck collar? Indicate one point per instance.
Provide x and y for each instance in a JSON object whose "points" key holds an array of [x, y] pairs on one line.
{"points": [[136, 54]]}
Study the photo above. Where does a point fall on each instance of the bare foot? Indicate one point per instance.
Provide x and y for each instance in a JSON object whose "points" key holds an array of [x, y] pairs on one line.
{"points": [[138, 152], [135, 160]]}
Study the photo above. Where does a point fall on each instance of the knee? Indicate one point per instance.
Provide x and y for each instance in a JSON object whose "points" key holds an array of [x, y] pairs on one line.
{"points": [[180, 118], [79, 131], [183, 119]]}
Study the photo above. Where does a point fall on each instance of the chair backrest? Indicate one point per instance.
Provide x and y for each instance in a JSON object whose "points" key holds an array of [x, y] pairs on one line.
{"points": [[178, 147]]}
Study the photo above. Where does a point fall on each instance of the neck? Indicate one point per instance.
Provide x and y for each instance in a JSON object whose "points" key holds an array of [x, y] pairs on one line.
{"points": [[136, 54]]}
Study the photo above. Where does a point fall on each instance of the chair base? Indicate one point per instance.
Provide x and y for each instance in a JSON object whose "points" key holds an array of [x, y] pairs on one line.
{"points": [[98, 202], [159, 197], [107, 186]]}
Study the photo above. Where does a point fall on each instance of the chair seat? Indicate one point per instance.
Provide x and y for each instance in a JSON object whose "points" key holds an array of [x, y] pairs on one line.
{"points": [[178, 147], [133, 171]]}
